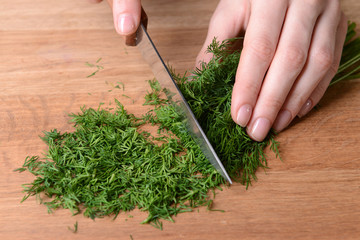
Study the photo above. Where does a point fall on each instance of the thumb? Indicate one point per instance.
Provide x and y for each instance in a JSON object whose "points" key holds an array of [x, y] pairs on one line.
{"points": [[228, 21], [126, 15]]}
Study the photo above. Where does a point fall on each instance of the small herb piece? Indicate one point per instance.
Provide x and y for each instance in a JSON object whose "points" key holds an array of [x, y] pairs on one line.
{"points": [[131, 237], [75, 229], [120, 84], [98, 67], [92, 74]]}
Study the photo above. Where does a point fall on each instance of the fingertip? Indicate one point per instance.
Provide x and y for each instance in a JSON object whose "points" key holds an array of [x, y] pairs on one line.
{"points": [[305, 109], [243, 115], [126, 24], [126, 16], [282, 120], [259, 129]]}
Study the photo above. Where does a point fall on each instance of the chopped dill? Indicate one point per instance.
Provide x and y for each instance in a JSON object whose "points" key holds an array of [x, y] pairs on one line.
{"points": [[98, 67], [107, 165], [75, 229]]}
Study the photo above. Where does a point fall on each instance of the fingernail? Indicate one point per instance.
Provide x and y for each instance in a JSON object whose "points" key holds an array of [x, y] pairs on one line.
{"points": [[244, 115], [126, 24], [282, 120], [260, 129], [305, 108]]}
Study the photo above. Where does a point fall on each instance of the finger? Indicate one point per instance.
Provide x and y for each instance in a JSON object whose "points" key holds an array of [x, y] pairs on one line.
{"points": [[319, 91], [228, 20], [319, 62], [288, 62], [126, 16], [260, 42]]}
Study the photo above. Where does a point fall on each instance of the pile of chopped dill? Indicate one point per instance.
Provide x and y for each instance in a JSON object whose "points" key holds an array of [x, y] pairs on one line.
{"points": [[108, 165]]}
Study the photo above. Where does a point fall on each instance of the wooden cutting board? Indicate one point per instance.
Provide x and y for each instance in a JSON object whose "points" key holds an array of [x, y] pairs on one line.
{"points": [[314, 193]]}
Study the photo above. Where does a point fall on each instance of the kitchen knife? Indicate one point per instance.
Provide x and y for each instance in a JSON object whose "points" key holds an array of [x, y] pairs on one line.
{"points": [[150, 54]]}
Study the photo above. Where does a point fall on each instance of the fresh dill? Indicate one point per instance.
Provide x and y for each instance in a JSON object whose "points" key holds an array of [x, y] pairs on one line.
{"points": [[96, 65], [209, 96], [75, 229], [107, 165]]}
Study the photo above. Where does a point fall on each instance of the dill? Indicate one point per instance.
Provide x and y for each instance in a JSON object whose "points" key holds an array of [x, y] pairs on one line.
{"points": [[107, 165], [98, 67], [350, 59], [75, 229], [209, 96]]}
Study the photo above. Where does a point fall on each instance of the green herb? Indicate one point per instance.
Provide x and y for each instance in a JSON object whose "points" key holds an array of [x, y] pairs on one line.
{"points": [[107, 165], [121, 84], [98, 67], [75, 229], [209, 96], [92, 74], [350, 59]]}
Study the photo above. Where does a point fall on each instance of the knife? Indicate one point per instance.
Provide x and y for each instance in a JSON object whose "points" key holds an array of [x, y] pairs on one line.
{"points": [[142, 40]]}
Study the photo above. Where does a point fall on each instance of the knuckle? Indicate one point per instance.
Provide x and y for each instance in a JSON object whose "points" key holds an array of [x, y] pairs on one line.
{"points": [[314, 3], [262, 48], [273, 103], [249, 87], [296, 100], [323, 59], [294, 57]]}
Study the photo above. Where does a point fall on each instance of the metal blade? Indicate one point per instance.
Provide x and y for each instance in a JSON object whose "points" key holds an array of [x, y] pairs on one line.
{"points": [[162, 74]]}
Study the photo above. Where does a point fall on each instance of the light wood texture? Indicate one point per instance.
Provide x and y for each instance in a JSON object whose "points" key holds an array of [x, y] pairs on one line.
{"points": [[314, 193]]}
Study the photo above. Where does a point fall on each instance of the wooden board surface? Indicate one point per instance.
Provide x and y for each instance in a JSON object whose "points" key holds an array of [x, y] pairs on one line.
{"points": [[313, 194]]}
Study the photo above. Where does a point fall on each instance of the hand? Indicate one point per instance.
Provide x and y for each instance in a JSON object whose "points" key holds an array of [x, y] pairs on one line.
{"points": [[126, 15], [291, 51]]}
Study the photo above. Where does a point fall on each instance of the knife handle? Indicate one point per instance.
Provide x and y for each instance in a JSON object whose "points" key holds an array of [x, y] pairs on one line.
{"points": [[130, 40]]}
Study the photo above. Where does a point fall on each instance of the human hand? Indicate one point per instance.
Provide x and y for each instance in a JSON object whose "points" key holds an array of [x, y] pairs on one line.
{"points": [[291, 51], [126, 14]]}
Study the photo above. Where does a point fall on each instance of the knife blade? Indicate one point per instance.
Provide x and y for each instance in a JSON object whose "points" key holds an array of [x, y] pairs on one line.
{"points": [[162, 74]]}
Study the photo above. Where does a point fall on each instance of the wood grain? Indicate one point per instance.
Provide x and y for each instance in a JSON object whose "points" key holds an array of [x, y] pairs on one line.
{"points": [[314, 193]]}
